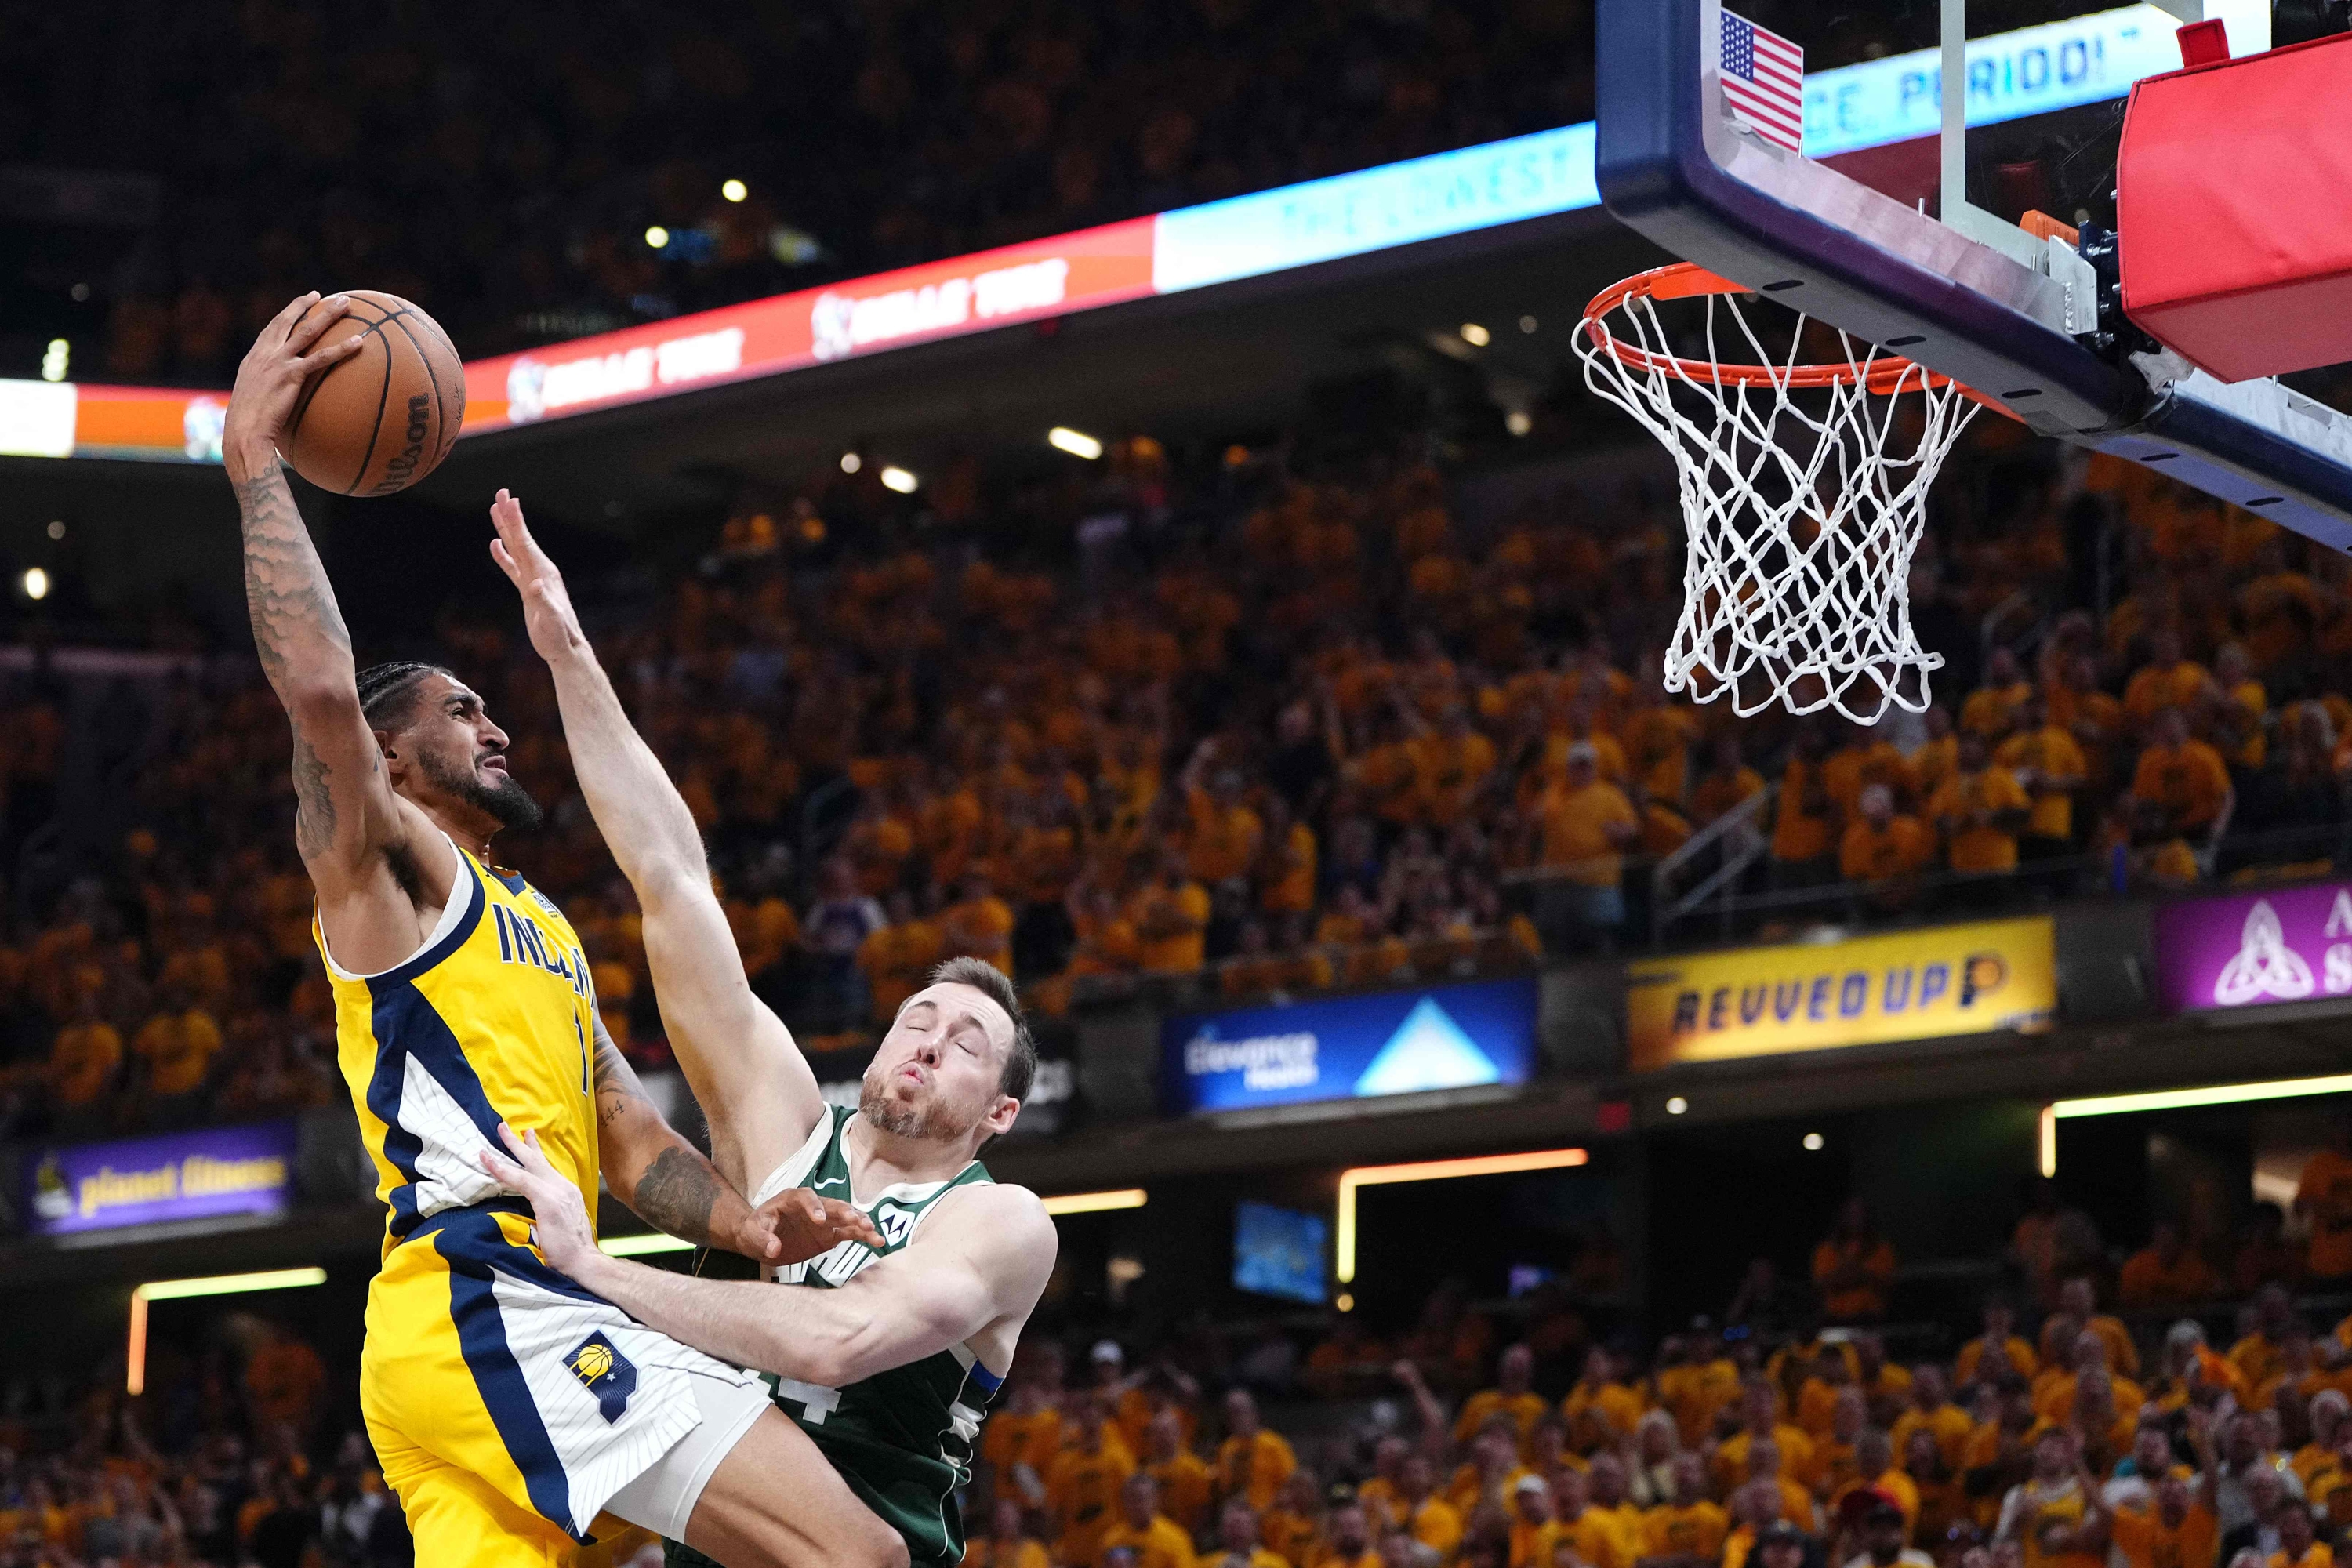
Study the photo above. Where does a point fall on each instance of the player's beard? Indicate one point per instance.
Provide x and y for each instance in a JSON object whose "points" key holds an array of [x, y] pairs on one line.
{"points": [[935, 1123], [507, 802]]}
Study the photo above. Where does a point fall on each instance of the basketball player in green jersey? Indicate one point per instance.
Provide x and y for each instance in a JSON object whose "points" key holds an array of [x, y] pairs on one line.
{"points": [[886, 1351]]}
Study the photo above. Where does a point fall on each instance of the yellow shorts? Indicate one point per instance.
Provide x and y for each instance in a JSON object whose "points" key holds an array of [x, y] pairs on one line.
{"points": [[506, 1404]]}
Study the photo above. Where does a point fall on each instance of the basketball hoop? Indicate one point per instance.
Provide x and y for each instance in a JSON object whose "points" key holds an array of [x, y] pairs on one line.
{"points": [[1801, 521]]}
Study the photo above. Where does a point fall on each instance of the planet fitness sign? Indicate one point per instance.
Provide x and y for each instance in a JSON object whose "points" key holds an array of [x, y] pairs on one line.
{"points": [[2251, 950], [146, 1181]]}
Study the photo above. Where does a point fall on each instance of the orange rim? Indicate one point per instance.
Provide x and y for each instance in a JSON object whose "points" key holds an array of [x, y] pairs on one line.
{"points": [[1886, 372]]}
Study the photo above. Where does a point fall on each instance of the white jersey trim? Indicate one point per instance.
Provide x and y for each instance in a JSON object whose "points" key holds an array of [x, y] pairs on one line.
{"points": [[451, 913], [802, 1161]]}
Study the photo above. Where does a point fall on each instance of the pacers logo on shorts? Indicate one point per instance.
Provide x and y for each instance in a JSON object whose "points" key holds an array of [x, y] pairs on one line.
{"points": [[606, 1373]]}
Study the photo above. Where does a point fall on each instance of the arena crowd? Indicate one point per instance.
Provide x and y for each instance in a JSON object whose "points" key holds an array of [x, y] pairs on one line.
{"points": [[2175, 1406], [1255, 726]]}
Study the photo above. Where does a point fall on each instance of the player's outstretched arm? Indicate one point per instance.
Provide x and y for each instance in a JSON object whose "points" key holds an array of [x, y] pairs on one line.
{"points": [[755, 1087], [946, 1285], [346, 815]]}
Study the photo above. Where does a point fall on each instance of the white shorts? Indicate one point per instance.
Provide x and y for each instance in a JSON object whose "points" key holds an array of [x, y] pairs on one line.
{"points": [[662, 1497]]}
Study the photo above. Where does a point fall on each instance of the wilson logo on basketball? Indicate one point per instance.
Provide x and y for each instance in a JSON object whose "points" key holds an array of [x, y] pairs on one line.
{"points": [[402, 469]]}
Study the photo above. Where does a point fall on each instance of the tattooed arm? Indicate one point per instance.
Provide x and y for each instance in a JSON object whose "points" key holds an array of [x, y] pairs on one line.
{"points": [[666, 1183], [346, 816]]}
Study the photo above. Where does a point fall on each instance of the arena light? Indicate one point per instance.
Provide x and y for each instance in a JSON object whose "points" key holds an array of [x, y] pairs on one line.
{"points": [[36, 583], [135, 1355], [1814, 1142], [1076, 443], [897, 478], [642, 1245], [2048, 1139], [1528, 323], [1677, 1105], [656, 237], [2189, 1099], [1476, 336], [1098, 1203], [851, 462], [1343, 1251], [57, 360], [734, 190]]}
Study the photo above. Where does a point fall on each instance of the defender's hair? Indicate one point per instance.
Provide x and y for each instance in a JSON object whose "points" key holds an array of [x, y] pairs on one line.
{"points": [[385, 689], [1021, 1062]]}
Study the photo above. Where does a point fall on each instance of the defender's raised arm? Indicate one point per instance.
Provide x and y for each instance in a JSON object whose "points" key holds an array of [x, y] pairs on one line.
{"points": [[755, 1087]]}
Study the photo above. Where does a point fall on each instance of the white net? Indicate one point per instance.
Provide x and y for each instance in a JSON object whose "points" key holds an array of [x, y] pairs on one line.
{"points": [[1801, 511]]}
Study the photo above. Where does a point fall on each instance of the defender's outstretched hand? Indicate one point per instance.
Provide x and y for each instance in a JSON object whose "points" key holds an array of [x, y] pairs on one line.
{"points": [[804, 1226], [565, 1238], [547, 611], [269, 382]]}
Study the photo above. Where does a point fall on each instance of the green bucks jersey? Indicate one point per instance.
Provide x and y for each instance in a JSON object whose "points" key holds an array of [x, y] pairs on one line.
{"points": [[902, 1438]]}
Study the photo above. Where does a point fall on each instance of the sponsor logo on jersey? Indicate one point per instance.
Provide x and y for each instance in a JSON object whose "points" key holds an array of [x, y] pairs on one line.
{"points": [[606, 1373]]}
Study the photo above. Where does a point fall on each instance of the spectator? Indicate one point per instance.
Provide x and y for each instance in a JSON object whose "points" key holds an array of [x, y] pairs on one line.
{"points": [[1237, 1541], [1728, 782], [2181, 779], [1600, 1390], [1883, 1537], [2323, 1197], [175, 1050], [1008, 1543], [838, 924], [1586, 823], [2050, 766], [1689, 1529], [1853, 1266], [2166, 1272], [1350, 1544], [1157, 1541], [1978, 810], [1083, 1485], [1803, 827], [1253, 1461], [2054, 1513], [1884, 849], [1184, 1480], [83, 1062]]}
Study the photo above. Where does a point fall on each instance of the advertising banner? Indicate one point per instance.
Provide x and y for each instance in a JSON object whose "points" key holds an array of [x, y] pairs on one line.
{"points": [[199, 1174], [1806, 997], [2282, 944], [1022, 282], [1351, 1047]]}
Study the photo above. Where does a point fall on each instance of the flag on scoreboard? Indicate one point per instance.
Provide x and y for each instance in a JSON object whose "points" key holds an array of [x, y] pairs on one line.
{"points": [[1764, 82]]}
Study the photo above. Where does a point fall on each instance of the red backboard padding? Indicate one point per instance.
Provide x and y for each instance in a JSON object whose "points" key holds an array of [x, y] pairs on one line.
{"points": [[2233, 199]]}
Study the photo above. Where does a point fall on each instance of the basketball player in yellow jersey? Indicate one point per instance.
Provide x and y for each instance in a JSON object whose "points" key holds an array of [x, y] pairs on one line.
{"points": [[889, 1350], [507, 1406]]}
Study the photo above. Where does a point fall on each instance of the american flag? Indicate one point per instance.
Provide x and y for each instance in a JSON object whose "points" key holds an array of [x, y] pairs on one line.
{"points": [[1764, 82]]}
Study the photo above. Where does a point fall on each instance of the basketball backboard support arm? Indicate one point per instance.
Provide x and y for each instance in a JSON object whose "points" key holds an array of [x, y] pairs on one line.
{"points": [[1675, 169]]}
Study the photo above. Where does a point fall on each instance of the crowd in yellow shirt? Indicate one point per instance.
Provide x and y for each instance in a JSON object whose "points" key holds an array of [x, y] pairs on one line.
{"points": [[2052, 1449]]}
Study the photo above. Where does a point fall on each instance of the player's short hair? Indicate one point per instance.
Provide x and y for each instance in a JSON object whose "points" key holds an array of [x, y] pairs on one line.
{"points": [[1021, 1061], [385, 690]]}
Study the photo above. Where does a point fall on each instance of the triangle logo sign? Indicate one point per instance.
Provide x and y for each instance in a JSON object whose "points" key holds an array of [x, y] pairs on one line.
{"points": [[1429, 1051]]}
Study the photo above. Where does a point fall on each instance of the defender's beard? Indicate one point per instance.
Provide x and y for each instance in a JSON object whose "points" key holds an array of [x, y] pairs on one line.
{"points": [[934, 1122], [506, 801]]}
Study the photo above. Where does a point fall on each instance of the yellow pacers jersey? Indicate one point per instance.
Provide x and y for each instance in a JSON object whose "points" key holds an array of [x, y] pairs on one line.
{"points": [[506, 1404], [490, 1020]]}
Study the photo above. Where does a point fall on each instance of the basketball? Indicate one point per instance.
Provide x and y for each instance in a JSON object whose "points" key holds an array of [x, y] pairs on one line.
{"points": [[384, 419]]}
